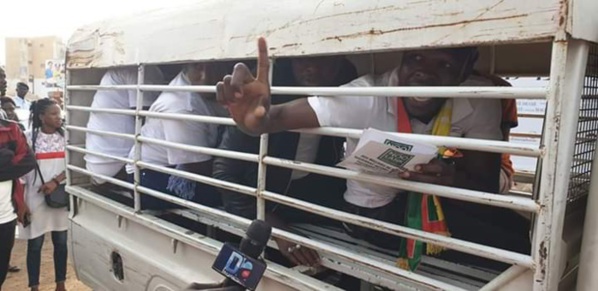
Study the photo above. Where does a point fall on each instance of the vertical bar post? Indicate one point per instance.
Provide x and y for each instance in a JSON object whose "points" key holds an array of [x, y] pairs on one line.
{"points": [[567, 73], [137, 147], [261, 176], [67, 157], [261, 168]]}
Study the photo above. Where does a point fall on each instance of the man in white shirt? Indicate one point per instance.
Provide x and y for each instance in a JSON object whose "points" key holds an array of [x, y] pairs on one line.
{"points": [[116, 99], [183, 132], [22, 90], [248, 101]]}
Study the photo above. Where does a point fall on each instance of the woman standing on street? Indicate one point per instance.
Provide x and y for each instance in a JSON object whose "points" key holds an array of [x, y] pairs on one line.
{"points": [[47, 141]]}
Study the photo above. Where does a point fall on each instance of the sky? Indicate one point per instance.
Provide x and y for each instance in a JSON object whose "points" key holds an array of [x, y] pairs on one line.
{"points": [[28, 18]]}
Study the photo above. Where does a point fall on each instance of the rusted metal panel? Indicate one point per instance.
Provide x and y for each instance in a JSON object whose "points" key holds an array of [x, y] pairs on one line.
{"points": [[227, 29]]}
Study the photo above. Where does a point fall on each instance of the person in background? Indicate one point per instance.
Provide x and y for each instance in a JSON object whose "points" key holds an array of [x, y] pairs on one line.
{"points": [[20, 101], [2, 82], [309, 148], [248, 101], [9, 106], [182, 132], [16, 160], [119, 123], [48, 143]]}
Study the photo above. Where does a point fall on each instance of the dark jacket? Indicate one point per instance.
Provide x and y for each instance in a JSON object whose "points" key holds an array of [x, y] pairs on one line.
{"points": [[322, 190], [16, 159]]}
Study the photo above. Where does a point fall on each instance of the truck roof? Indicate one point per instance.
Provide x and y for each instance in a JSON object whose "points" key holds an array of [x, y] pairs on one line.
{"points": [[228, 29]]}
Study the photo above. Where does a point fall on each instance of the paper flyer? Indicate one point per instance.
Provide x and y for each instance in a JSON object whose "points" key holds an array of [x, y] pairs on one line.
{"points": [[380, 152]]}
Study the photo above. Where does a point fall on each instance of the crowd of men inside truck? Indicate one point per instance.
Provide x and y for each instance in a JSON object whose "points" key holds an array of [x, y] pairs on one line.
{"points": [[247, 100]]}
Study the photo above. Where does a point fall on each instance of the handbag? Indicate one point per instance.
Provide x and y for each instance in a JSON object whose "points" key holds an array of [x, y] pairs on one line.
{"points": [[59, 198]]}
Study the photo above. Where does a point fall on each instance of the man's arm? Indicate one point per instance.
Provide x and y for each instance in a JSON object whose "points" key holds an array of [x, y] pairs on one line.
{"points": [[289, 116]]}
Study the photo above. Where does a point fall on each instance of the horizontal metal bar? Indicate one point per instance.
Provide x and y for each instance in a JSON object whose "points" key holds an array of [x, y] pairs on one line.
{"points": [[203, 150], [531, 115], [100, 132], [189, 117], [528, 135], [456, 142], [462, 143], [504, 201], [405, 91], [451, 243], [86, 151], [112, 180], [199, 178], [429, 92], [101, 110]]}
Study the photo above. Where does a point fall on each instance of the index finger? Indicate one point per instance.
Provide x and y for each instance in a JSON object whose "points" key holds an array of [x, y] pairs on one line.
{"points": [[263, 63]]}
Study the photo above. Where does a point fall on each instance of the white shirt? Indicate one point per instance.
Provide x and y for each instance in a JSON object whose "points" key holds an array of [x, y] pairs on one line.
{"points": [[472, 118], [21, 103], [307, 151], [116, 122], [49, 152], [7, 211], [183, 132]]}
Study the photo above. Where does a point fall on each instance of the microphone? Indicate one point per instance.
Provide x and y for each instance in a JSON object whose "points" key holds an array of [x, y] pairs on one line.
{"points": [[242, 267]]}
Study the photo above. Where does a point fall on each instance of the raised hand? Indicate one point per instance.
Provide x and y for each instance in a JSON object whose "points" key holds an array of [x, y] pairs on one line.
{"points": [[247, 97]]}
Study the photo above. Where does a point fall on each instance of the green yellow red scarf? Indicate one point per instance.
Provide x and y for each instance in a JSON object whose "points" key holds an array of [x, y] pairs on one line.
{"points": [[424, 211]]}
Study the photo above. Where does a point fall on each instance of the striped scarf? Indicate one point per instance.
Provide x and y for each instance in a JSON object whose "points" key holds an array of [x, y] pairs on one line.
{"points": [[424, 211]]}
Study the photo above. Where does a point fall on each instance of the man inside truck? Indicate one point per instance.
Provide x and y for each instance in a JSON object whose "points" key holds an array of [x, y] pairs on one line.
{"points": [[309, 148], [248, 101], [173, 130], [119, 123]]}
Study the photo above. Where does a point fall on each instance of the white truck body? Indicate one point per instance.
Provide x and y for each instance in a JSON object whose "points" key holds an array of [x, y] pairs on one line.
{"points": [[553, 38]]}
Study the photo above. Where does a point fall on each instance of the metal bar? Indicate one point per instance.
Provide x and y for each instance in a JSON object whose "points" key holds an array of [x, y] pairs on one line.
{"points": [[462, 143], [529, 135], [189, 117], [100, 132], [531, 115], [457, 142], [586, 278], [86, 151], [203, 150], [451, 243], [430, 92], [67, 137], [103, 177], [261, 178], [567, 71], [504, 201], [507, 276], [137, 145], [199, 178], [102, 110]]}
